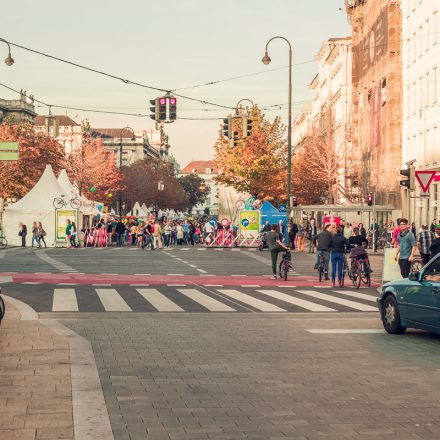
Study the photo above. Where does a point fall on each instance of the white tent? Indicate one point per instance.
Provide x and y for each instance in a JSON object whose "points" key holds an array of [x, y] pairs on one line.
{"points": [[36, 205], [138, 211]]}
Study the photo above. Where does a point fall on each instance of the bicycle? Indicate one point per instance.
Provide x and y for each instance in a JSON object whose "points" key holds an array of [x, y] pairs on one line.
{"points": [[285, 264], [60, 202], [321, 264], [2, 307], [3, 242], [360, 271]]}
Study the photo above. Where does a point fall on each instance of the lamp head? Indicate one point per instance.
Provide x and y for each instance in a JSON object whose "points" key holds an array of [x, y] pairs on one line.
{"points": [[9, 60], [266, 59]]}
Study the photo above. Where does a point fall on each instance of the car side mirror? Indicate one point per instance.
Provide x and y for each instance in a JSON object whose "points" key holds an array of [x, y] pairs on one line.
{"points": [[414, 276]]}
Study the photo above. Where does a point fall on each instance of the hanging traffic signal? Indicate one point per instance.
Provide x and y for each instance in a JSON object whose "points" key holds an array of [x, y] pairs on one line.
{"points": [[410, 174], [227, 127], [370, 199], [236, 139], [247, 126], [154, 109], [162, 109], [173, 108]]}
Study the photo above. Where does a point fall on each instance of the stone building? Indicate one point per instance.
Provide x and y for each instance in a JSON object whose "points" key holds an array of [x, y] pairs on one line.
{"points": [[18, 110], [377, 96]]}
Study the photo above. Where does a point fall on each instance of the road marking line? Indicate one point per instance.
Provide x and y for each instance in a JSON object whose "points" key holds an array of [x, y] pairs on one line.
{"points": [[201, 271], [359, 295], [322, 287], [159, 301], [250, 285], [176, 285], [143, 274], [346, 331], [251, 301], [190, 265], [30, 282], [238, 275], [139, 285], [176, 274], [64, 300], [336, 300], [206, 301], [308, 305], [283, 285], [213, 285], [201, 249], [112, 301]]}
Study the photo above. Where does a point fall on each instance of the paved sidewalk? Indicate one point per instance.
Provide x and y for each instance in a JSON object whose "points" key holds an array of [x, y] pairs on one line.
{"points": [[35, 382]]}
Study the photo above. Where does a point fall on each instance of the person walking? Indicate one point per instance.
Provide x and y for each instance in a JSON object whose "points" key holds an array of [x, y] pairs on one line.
{"points": [[413, 229], [434, 249], [424, 240], [312, 233], [406, 242], [275, 246], [433, 226], [68, 229], [157, 235], [191, 232], [35, 235], [362, 230], [120, 232], [323, 242], [300, 238], [292, 234], [179, 233], [73, 232], [22, 233], [337, 249], [41, 235]]}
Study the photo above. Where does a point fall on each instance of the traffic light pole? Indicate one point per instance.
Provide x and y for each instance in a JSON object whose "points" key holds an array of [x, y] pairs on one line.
{"points": [[374, 224]]}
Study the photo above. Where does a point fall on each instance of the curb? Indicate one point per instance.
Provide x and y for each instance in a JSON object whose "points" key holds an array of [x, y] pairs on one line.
{"points": [[90, 415]]}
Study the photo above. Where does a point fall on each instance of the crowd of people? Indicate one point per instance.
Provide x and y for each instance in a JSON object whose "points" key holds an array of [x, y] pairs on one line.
{"points": [[38, 234]]}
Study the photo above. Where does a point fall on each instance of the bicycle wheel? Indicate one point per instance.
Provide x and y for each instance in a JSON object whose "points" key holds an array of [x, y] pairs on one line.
{"points": [[58, 203], [285, 270], [356, 276], [3, 242], [75, 203], [320, 272], [2, 308]]}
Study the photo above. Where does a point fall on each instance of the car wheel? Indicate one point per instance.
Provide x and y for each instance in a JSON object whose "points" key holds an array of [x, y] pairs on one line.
{"points": [[391, 316]]}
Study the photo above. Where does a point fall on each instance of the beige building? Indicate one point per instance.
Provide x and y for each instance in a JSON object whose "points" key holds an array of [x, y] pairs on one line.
{"points": [[377, 96]]}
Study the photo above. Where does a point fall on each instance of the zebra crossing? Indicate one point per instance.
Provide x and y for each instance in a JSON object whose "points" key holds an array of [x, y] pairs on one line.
{"points": [[194, 298]]}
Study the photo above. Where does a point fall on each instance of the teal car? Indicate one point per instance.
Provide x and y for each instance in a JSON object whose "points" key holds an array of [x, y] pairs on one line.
{"points": [[413, 302]]}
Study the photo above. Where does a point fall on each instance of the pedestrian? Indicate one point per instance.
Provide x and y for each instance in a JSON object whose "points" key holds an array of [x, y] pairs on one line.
{"points": [[35, 235], [68, 229], [433, 226], [293, 231], [157, 235], [434, 249], [348, 231], [120, 232], [275, 246], [424, 240], [406, 242], [167, 235], [413, 229], [179, 233], [22, 233], [300, 237], [362, 230], [191, 232], [312, 233], [41, 234], [73, 235], [281, 229], [337, 249], [323, 242]]}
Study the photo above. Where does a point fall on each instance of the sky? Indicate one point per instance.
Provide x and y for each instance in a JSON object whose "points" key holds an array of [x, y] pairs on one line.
{"points": [[170, 44]]}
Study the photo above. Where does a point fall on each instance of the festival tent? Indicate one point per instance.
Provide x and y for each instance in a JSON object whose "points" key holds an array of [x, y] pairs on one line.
{"points": [[36, 205], [269, 212], [138, 211]]}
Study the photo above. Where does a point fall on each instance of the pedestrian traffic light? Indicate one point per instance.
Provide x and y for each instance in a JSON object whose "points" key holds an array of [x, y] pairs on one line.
{"points": [[410, 174], [247, 126], [154, 109], [162, 109], [370, 199], [173, 109], [227, 127], [294, 201]]}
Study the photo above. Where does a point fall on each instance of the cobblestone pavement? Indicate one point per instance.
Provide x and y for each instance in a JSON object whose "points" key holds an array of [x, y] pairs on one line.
{"points": [[248, 376], [35, 386]]}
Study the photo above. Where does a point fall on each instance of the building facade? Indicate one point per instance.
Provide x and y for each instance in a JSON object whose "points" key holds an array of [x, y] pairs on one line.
{"points": [[206, 170], [62, 128], [421, 110], [377, 97], [18, 110]]}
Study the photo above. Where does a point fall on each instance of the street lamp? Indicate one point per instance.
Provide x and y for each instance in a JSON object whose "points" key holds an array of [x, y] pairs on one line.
{"points": [[9, 61], [266, 60], [241, 100], [133, 138]]}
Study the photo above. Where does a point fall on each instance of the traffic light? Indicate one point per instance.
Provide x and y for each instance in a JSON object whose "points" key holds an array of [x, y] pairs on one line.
{"points": [[162, 109], [410, 174], [294, 201], [370, 199], [173, 110], [227, 127], [236, 139], [247, 126], [154, 109]]}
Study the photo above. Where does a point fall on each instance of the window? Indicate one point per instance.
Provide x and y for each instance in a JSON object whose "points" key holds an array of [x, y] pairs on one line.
{"points": [[420, 100], [428, 147], [420, 41], [408, 52], [427, 97], [432, 272], [434, 28], [435, 146], [428, 30], [408, 100], [434, 85], [414, 98], [414, 47]]}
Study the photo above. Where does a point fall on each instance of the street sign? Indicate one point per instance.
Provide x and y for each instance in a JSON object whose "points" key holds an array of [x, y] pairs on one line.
{"points": [[9, 151], [282, 208], [425, 178], [437, 178]]}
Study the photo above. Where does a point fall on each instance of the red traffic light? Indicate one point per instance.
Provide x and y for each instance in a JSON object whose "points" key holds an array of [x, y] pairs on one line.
{"points": [[173, 101], [162, 101]]}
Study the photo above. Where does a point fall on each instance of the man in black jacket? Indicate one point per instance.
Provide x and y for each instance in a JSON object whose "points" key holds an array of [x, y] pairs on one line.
{"points": [[323, 241], [120, 231]]}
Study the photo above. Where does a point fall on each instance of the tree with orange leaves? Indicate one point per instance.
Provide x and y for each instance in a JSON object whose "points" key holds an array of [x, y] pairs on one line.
{"points": [[36, 150], [92, 166], [257, 165]]}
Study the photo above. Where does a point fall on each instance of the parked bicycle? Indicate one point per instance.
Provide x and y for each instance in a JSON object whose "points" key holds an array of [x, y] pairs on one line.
{"points": [[61, 202], [3, 242], [285, 264]]}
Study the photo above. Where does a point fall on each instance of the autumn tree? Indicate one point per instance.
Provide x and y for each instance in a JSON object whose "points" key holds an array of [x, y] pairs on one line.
{"points": [[257, 165], [141, 184], [94, 166], [36, 151], [195, 188]]}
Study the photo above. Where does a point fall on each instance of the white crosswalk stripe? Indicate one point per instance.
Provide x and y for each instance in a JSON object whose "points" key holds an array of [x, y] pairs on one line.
{"points": [[159, 301], [251, 301], [357, 294], [308, 305], [337, 300], [112, 301], [206, 301], [64, 300]]}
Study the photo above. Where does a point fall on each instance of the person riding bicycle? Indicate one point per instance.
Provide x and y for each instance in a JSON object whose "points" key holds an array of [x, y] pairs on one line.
{"points": [[358, 241], [323, 241], [275, 246]]}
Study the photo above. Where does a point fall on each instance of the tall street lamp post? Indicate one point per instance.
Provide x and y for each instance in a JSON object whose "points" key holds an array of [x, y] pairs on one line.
{"points": [[266, 60], [133, 138]]}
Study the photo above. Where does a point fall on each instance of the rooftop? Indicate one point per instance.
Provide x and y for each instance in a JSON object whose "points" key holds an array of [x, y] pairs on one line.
{"points": [[199, 167], [62, 120]]}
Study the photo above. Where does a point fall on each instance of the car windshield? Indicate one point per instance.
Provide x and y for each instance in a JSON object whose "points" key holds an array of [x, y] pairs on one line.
{"points": [[432, 272]]}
